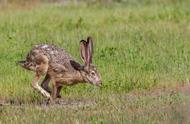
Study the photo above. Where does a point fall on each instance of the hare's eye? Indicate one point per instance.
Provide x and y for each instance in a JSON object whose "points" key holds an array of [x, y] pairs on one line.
{"points": [[93, 73]]}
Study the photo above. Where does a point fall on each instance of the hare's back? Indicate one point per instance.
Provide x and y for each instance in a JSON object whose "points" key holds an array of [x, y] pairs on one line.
{"points": [[53, 53]]}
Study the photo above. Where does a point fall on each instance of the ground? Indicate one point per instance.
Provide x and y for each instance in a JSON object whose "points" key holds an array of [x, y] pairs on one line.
{"points": [[158, 105]]}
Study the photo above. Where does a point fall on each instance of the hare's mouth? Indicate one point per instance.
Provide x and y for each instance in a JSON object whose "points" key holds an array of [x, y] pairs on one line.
{"points": [[97, 83]]}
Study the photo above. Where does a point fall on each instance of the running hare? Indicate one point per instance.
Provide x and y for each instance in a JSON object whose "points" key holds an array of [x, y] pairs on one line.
{"points": [[60, 67]]}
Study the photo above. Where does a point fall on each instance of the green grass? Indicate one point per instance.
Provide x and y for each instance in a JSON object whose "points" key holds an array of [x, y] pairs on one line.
{"points": [[137, 46]]}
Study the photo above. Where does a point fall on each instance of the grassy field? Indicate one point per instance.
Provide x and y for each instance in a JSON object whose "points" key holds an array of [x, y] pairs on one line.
{"points": [[142, 50]]}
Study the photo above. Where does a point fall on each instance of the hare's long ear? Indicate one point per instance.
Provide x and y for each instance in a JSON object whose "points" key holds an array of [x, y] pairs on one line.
{"points": [[89, 50], [83, 51]]}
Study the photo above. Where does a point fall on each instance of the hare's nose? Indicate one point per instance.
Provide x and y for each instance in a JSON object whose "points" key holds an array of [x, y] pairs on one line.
{"points": [[99, 83]]}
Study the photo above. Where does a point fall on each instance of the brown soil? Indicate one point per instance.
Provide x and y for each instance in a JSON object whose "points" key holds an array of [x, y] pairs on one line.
{"points": [[154, 92]]}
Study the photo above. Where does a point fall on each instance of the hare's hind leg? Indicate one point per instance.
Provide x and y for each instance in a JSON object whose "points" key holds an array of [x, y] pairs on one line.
{"points": [[37, 87]]}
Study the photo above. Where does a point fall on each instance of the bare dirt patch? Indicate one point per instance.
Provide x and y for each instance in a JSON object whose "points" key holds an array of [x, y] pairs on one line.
{"points": [[154, 92], [158, 91], [58, 102]]}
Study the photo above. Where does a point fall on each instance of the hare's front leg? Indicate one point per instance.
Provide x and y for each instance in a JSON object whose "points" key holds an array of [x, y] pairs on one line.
{"points": [[45, 86], [58, 91], [53, 93], [37, 87], [45, 83]]}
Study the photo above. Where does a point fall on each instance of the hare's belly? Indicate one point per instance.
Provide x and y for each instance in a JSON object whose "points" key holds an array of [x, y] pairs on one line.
{"points": [[62, 78], [64, 81]]}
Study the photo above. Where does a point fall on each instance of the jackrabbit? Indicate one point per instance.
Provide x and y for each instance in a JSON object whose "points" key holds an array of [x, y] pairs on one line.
{"points": [[60, 67]]}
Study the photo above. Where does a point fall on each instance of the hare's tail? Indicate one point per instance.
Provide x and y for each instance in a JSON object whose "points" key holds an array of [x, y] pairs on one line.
{"points": [[25, 64], [21, 62]]}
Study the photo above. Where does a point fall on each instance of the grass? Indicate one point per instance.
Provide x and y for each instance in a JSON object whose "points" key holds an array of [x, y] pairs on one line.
{"points": [[137, 46]]}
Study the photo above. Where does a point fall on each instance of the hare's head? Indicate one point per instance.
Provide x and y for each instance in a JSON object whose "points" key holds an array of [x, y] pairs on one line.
{"points": [[88, 70]]}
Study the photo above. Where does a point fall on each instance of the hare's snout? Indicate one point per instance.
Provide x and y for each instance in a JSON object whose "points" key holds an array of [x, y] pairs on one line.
{"points": [[99, 83]]}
